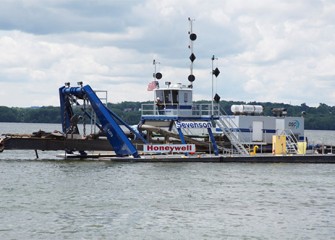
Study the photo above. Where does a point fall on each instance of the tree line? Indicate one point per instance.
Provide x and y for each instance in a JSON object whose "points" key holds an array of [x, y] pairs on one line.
{"points": [[316, 118]]}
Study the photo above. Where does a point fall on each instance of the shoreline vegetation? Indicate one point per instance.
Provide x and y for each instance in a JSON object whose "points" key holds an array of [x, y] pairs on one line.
{"points": [[316, 118]]}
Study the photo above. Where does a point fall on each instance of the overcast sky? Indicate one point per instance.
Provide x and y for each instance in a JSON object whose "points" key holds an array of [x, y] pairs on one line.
{"points": [[267, 50]]}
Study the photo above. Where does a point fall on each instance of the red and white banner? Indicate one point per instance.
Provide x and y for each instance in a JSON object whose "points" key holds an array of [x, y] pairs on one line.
{"points": [[184, 148]]}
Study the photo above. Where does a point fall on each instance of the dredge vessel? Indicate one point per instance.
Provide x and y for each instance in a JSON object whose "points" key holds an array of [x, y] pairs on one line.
{"points": [[172, 128]]}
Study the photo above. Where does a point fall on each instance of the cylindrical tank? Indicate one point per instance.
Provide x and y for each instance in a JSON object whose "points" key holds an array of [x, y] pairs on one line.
{"points": [[236, 109], [258, 109], [246, 109]]}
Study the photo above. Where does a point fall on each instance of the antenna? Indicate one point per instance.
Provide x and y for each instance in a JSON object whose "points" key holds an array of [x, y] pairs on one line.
{"points": [[193, 37]]}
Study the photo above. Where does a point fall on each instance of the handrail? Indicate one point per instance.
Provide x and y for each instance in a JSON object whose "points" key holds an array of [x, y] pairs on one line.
{"points": [[291, 141], [150, 109], [227, 126]]}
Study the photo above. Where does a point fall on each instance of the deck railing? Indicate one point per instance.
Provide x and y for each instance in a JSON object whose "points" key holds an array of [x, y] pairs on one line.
{"points": [[150, 109]]}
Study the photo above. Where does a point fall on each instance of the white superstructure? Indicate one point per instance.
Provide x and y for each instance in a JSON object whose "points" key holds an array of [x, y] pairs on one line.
{"points": [[260, 129]]}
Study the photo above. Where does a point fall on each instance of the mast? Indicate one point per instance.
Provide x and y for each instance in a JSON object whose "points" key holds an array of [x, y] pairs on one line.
{"points": [[193, 37]]}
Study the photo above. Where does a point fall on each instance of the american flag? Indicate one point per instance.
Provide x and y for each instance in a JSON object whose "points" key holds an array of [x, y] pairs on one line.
{"points": [[152, 85]]}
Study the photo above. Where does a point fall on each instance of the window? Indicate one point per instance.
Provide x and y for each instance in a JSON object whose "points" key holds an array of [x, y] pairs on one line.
{"points": [[167, 96], [175, 96]]}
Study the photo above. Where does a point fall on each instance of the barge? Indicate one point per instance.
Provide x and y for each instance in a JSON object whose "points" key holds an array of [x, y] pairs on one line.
{"points": [[173, 128]]}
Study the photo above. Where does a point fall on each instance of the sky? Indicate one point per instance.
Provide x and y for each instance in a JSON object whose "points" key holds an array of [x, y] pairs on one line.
{"points": [[266, 50]]}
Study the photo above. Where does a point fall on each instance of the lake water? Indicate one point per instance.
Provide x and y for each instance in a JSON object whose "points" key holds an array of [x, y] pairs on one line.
{"points": [[52, 198]]}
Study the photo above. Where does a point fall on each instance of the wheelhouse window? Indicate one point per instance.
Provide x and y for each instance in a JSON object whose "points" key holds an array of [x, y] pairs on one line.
{"points": [[175, 98]]}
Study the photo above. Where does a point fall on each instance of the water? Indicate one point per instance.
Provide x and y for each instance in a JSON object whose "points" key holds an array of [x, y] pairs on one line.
{"points": [[57, 199], [320, 137]]}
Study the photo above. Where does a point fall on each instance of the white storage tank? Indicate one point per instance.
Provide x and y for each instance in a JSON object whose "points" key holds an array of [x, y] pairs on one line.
{"points": [[258, 109], [246, 109]]}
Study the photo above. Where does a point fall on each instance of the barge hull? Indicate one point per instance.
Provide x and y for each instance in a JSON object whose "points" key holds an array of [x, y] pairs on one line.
{"points": [[13, 143], [314, 159]]}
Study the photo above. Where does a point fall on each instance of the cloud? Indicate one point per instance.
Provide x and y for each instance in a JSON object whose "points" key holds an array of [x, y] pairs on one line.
{"points": [[280, 51], [59, 16]]}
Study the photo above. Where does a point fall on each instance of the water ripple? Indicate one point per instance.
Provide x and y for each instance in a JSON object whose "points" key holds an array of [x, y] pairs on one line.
{"points": [[104, 200]]}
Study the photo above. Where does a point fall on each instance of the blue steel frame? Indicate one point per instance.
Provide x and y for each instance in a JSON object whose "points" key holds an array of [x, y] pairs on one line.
{"points": [[116, 137], [210, 133]]}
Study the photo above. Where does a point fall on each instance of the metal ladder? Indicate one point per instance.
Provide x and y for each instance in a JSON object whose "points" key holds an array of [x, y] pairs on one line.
{"points": [[291, 142], [226, 127]]}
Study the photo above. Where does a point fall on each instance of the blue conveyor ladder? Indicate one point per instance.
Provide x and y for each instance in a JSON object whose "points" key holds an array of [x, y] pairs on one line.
{"points": [[122, 146]]}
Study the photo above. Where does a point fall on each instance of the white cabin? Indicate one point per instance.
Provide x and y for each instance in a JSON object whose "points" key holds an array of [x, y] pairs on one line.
{"points": [[260, 129], [176, 99]]}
